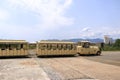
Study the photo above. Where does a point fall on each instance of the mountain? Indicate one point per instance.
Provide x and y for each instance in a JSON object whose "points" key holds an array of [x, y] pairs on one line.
{"points": [[97, 40]]}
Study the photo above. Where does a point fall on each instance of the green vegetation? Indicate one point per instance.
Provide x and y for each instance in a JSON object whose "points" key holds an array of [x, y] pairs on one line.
{"points": [[32, 46], [112, 47]]}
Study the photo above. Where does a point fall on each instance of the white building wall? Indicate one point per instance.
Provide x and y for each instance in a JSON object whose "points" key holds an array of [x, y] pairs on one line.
{"points": [[108, 40]]}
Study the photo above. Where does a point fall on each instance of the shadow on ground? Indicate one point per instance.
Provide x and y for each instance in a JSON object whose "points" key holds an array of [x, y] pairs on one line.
{"points": [[14, 57]]}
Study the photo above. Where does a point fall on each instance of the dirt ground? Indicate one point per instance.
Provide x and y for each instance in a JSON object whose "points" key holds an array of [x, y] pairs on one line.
{"points": [[60, 68]]}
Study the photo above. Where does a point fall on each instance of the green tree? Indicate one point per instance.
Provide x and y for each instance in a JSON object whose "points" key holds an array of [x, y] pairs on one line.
{"points": [[117, 43]]}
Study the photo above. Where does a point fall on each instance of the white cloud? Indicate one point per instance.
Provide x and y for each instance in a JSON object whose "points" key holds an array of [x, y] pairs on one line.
{"points": [[51, 12], [87, 32], [86, 29], [52, 15], [115, 33], [92, 32], [4, 15]]}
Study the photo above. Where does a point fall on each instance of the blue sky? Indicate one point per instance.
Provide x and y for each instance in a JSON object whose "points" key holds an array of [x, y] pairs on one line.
{"points": [[34, 20]]}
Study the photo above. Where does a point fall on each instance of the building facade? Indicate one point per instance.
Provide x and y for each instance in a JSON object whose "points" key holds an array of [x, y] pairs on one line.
{"points": [[108, 39]]}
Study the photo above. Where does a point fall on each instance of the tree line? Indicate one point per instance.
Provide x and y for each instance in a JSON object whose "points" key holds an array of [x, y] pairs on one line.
{"points": [[112, 47]]}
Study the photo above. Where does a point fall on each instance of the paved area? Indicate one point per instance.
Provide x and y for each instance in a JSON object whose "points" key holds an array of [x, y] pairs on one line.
{"points": [[61, 68], [73, 68], [21, 69], [108, 57]]}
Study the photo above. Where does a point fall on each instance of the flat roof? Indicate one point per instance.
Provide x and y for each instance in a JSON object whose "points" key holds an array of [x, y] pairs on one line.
{"points": [[55, 42], [13, 41]]}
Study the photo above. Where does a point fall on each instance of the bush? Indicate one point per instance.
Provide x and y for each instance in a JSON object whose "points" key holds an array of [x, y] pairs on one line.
{"points": [[111, 48]]}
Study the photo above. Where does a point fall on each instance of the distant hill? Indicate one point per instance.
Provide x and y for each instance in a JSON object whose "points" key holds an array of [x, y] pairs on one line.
{"points": [[97, 40]]}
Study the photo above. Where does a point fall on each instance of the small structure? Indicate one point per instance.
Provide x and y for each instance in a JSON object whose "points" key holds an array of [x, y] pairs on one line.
{"points": [[108, 40]]}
